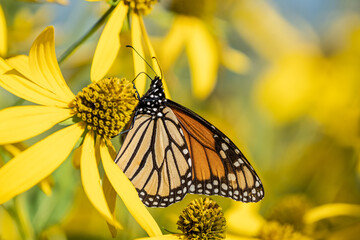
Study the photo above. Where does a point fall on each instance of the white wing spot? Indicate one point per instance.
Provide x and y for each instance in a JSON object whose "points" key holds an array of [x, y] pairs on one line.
{"points": [[236, 164], [209, 186], [159, 114], [216, 190], [192, 188], [257, 184], [226, 140], [241, 161], [236, 192], [215, 182], [237, 151], [245, 194], [185, 151], [253, 191], [224, 186], [224, 146]]}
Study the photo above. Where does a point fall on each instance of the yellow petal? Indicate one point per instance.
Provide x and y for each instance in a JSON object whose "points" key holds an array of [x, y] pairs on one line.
{"points": [[23, 122], [110, 195], [37, 162], [331, 210], [46, 185], [76, 157], [21, 64], [163, 237], [90, 179], [128, 193], [45, 68], [3, 34], [234, 60], [109, 43], [173, 43], [203, 57], [15, 83], [244, 219], [139, 63], [154, 59]]}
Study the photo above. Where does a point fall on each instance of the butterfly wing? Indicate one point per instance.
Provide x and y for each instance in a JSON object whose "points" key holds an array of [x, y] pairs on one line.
{"points": [[218, 166], [154, 156]]}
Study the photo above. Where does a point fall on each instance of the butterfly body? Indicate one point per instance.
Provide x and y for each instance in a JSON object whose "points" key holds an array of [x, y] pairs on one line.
{"points": [[171, 151]]}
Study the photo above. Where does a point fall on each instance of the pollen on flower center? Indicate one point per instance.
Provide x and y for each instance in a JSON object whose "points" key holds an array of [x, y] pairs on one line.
{"points": [[202, 219], [141, 6], [106, 105]]}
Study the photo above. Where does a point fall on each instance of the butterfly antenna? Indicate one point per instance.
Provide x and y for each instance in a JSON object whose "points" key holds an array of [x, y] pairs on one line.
{"points": [[161, 73], [129, 46], [139, 75]]}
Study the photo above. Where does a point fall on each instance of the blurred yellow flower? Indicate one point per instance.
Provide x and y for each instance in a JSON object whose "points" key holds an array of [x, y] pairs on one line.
{"points": [[3, 34], [204, 50], [109, 42], [38, 79], [300, 80], [290, 218]]}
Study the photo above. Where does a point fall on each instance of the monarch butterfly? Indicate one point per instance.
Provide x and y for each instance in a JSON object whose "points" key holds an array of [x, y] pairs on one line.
{"points": [[171, 151]]}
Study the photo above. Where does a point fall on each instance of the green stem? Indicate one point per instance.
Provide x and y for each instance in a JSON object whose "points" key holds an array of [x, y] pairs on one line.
{"points": [[86, 36]]}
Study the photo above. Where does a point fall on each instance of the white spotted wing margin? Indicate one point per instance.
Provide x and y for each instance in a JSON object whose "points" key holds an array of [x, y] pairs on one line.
{"points": [[218, 166], [155, 157]]}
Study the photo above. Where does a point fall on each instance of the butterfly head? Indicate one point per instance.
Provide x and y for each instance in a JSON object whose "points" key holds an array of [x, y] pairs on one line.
{"points": [[153, 101]]}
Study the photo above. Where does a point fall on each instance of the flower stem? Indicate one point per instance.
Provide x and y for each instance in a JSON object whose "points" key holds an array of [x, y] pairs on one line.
{"points": [[93, 29]]}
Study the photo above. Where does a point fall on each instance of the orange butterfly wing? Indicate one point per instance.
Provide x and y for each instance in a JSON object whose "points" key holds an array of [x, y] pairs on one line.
{"points": [[218, 166]]}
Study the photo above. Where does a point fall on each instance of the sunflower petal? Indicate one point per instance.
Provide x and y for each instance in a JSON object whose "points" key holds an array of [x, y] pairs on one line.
{"points": [[37, 162], [154, 59], [203, 58], [21, 64], [110, 195], [331, 210], [128, 193], [109, 43], [14, 82], [163, 237], [45, 68], [139, 63], [90, 179], [23, 122], [3, 34]]}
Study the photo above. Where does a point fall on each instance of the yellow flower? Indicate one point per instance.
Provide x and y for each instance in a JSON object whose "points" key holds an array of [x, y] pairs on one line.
{"points": [[3, 34], [204, 50], [109, 42], [38, 79]]}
